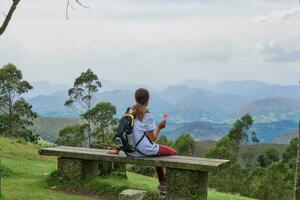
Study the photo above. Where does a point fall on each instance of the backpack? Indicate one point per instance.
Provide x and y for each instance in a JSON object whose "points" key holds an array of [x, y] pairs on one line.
{"points": [[124, 134]]}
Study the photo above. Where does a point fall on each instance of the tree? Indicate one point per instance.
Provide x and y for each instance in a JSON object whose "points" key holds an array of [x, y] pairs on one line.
{"points": [[297, 175], [290, 154], [9, 15], [228, 146], [15, 3], [224, 149], [248, 157], [185, 145], [71, 136], [17, 114], [102, 117], [164, 140], [81, 96], [239, 132], [270, 156], [254, 138]]}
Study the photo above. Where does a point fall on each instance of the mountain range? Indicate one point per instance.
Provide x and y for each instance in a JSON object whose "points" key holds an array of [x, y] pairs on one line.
{"points": [[193, 100]]}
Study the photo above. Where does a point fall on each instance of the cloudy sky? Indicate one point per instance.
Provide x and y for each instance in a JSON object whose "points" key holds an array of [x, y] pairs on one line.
{"points": [[155, 42]]}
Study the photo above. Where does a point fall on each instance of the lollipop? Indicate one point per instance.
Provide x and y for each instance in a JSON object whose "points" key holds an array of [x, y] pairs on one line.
{"points": [[165, 116]]}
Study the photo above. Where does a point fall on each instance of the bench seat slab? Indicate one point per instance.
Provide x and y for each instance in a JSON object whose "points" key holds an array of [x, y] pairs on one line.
{"points": [[77, 169], [186, 184]]}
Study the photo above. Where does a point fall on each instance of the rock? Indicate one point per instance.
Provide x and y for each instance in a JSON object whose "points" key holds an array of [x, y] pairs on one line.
{"points": [[131, 194]]}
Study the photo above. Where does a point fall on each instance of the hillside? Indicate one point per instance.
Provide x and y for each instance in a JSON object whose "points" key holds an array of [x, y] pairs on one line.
{"points": [[271, 109], [26, 174], [200, 131], [286, 137], [203, 146], [220, 102], [49, 128]]}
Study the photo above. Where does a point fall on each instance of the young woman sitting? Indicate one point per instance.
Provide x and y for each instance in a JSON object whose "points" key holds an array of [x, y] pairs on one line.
{"points": [[144, 122]]}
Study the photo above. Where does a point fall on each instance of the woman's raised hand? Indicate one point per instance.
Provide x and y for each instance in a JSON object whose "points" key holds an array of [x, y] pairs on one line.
{"points": [[162, 124]]}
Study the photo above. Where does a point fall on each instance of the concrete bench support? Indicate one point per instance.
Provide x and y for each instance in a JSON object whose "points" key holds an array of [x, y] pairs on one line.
{"points": [[77, 168], [186, 184]]}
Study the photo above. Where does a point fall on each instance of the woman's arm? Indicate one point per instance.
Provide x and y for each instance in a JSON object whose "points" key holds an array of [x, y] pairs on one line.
{"points": [[153, 135]]}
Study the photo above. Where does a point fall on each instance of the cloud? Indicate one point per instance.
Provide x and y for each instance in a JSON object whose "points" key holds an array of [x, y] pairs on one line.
{"points": [[169, 40], [276, 52], [278, 15]]}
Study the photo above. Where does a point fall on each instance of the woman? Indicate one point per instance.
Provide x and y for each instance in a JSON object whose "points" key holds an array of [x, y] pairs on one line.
{"points": [[144, 123]]}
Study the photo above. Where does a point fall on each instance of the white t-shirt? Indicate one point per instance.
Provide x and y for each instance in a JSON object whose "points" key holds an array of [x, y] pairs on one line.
{"points": [[145, 146]]}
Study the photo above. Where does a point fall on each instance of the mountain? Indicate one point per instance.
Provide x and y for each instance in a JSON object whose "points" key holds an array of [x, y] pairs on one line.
{"points": [[122, 99], [204, 105], [271, 109], [45, 88], [220, 102], [266, 132], [53, 105], [251, 88], [175, 93], [286, 137]]}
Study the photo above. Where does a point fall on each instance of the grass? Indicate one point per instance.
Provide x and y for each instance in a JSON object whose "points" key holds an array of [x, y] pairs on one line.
{"points": [[27, 174]]}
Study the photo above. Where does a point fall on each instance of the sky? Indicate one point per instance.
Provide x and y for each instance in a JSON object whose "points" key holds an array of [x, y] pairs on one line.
{"points": [[155, 42]]}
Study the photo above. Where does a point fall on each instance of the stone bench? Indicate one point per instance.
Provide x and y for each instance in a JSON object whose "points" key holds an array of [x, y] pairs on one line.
{"points": [[186, 176]]}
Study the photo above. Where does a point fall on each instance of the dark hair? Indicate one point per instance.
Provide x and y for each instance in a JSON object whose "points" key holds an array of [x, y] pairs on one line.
{"points": [[140, 108], [142, 96]]}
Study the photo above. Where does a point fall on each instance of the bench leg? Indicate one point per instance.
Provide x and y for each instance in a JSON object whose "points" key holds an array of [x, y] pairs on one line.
{"points": [[186, 184], [76, 168], [106, 168]]}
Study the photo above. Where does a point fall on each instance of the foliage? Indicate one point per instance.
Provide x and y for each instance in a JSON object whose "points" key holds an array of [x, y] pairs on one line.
{"points": [[290, 153], [276, 183], [185, 145], [248, 156], [142, 169], [270, 156], [16, 114], [228, 146], [81, 96], [224, 149], [72, 135], [164, 140], [102, 117], [270, 179]]}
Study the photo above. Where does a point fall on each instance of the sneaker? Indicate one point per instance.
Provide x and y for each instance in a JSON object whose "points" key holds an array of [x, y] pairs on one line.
{"points": [[162, 190]]}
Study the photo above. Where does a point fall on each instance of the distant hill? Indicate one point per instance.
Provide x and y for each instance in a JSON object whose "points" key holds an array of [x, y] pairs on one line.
{"points": [[266, 132], [45, 88], [271, 109], [49, 128], [286, 137], [52, 105], [196, 101], [204, 105], [255, 89]]}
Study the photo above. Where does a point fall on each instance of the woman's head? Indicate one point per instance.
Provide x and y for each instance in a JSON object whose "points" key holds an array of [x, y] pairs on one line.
{"points": [[142, 98]]}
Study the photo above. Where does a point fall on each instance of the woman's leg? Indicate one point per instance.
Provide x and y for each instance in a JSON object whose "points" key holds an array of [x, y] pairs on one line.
{"points": [[164, 151]]}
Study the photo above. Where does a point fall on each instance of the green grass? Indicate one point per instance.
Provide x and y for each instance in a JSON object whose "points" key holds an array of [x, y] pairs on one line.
{"points": [[27, 174]]}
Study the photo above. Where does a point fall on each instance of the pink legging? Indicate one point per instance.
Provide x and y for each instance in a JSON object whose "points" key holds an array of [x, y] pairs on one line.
{"points": [[164, 151]]}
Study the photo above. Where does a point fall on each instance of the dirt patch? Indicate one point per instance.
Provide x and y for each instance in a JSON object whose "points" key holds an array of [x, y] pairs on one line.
{"points": [[73, 190]]}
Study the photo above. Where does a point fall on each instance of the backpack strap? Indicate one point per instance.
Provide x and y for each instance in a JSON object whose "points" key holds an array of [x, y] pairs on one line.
{"points": [[127, 110]]}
